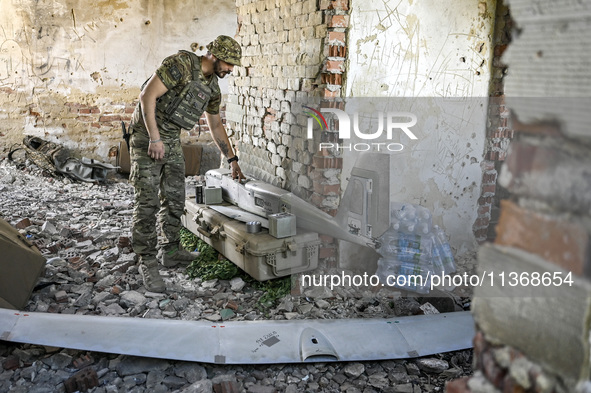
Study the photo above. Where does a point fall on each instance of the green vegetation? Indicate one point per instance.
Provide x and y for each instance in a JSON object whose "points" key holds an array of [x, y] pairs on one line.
{"points": [[211, 265]]}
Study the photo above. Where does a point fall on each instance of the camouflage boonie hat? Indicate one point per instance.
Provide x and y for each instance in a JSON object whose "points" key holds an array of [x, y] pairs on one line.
{"points": [[226, 49]]}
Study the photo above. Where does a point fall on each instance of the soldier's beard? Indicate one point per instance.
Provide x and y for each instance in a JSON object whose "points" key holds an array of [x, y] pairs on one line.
{"points": [[217, 69]]}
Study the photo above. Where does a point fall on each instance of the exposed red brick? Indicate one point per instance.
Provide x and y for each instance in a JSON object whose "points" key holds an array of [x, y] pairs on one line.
{"points": [[484, 200], [332, 79], [562, 242], [342, 5], [326, 238], [338, 21], [481, 234], [336, 36], [459, 385], [108, 118], [482, 210], [489, 178], [337, 51], [22, 224], [500, 49], [495, 156], [488, 165], [327, 162], [481, 222], [488, 189], [335, 66], [332, 104], [331, 93], [326, 189]]}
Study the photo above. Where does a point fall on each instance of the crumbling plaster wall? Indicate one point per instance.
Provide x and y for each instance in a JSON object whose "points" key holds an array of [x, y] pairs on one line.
{"points": [[70, 69], [428, 51]]}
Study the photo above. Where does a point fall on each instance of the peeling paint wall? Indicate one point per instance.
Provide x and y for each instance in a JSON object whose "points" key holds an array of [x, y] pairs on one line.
{"points": [[70, 69], [434, 50]]}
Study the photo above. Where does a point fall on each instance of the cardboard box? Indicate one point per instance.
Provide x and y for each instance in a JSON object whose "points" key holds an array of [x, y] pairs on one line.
{"points": [[21, 264], [192, 155]]}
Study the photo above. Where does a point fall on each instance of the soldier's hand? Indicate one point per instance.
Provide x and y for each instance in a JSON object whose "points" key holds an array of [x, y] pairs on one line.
{"points": [[156, 150], [236, 171]]}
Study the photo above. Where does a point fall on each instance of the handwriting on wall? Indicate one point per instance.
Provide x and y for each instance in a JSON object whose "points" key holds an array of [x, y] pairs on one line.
{"points": [[46, 48], [405, 50]]}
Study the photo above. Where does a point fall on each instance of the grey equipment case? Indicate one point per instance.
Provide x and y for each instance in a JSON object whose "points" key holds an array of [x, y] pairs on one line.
{"points": [[260, 255]]}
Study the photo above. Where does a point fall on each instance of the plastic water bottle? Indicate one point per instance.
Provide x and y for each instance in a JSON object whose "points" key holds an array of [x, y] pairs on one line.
{"points": [[409, 240], [444, 250], [436, 259], [423, 228], [409, 226], [410, 218], [424, 219], [405, 247], [402, 215], [403, 275], [395, 215]]}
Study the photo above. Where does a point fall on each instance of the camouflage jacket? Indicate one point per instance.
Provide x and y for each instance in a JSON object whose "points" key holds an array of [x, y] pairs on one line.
{"points": [[177, 72]]}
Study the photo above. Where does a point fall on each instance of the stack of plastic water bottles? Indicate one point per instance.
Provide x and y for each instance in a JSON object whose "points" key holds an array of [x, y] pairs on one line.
{"points": [[413, 249]]}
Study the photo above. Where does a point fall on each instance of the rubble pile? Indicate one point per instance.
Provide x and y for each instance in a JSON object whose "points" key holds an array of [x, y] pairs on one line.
{"points": [[83, 230]]}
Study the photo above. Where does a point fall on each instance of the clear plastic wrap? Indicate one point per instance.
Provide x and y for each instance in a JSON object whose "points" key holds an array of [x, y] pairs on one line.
{"points": [[413, 248]]}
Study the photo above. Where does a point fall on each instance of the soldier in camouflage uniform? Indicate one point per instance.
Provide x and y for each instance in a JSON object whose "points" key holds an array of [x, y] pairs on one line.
{"points": [[173, 98]]}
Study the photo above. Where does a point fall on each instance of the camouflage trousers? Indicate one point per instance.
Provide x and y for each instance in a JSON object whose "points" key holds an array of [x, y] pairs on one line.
{"points": [[159, 194]]}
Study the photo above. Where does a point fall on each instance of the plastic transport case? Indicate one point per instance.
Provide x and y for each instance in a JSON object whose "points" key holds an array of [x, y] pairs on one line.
{"points": [[260, 255]]}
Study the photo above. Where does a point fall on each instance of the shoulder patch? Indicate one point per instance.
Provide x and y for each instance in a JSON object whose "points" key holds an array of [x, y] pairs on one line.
{"points": [[175, 73]]}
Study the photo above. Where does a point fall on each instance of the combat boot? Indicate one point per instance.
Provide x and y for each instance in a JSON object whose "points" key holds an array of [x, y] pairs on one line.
{"points": [[150, 275], [175, 255]]}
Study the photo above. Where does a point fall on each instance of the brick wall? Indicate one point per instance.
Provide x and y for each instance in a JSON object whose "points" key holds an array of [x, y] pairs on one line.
{"points": [[90, 127], [293, 53], [282, 47], [498, 134], [533, 335]]}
